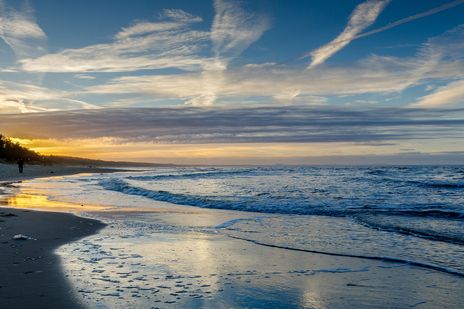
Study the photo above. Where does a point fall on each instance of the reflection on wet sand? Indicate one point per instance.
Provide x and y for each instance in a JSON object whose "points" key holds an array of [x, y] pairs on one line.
{"points": [[37, 201], [168, 255], [138, 265]]}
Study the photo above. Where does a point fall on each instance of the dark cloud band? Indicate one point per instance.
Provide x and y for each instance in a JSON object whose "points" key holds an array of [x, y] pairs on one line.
{"points": [[241, 125]]}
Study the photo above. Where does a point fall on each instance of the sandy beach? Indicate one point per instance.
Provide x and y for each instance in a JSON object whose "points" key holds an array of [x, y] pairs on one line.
{"points": [[154, 254], [9, 172], [32, 275]]}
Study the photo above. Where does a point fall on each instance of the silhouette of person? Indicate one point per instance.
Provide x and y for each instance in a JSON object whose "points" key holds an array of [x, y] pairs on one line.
{"points": [[20, 165]]}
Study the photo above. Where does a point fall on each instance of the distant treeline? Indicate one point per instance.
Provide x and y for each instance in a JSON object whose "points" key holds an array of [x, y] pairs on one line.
{"points": [[11, 152]]}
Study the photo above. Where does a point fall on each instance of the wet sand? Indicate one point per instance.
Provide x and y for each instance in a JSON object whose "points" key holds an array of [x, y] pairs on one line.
{"points": [[31, 273], [176, 261], [169, 256]]}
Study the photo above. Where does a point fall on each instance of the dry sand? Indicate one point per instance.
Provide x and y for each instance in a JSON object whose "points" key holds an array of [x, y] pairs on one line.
{"points": [[9, 172]]}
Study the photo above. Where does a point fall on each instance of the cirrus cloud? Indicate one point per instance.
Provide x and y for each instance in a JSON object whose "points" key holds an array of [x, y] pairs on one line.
{"points": [[20, 31], [362, 17], [167, 43], [452, 93]]}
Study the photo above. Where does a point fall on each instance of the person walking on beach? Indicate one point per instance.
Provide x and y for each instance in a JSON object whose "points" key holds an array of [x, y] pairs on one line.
{"points": [[20, 165]]}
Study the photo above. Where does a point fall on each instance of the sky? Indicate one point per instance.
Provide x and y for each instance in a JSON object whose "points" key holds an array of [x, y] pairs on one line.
{"points": [[235, 82]]}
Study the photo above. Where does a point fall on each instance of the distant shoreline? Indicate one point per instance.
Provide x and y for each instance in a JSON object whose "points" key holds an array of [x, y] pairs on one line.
{"points": [[10, 173]]}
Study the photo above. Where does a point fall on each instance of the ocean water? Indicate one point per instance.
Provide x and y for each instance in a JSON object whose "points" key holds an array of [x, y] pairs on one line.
{"points": [[409, 206], [407, 215]]}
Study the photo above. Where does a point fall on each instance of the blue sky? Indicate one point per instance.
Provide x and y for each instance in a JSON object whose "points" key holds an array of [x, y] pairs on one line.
{"points": [[87, 58]]}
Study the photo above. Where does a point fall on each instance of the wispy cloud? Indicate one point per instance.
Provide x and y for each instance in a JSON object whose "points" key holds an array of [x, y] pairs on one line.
{"points": [[233, 30], [362, 17], [170, 42], [13, 106], [207, 76], [20, 31], [438, 58], [18, 97], [405, 20], [177, 18], [84, 76], [181, 16], [321, 54], [167, 43], [453, 93]]}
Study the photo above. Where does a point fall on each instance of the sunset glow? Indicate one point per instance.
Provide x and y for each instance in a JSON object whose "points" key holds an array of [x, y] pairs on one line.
{"points": [[234, 82]]}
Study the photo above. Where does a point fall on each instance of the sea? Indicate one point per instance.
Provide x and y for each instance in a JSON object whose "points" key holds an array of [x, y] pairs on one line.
{"points": [[398, 215]]}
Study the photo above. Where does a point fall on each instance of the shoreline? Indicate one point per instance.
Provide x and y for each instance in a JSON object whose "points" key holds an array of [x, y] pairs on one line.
{"points": [[172, 255], [9, 172], [32, 273], [136, 267]]}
